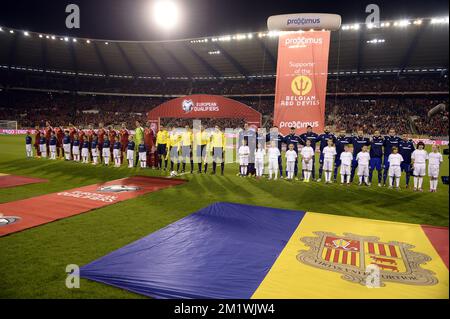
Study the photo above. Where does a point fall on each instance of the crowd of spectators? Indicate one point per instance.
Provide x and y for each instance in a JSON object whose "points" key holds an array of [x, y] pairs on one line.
{"points": [[407, 113], [253, 86]]}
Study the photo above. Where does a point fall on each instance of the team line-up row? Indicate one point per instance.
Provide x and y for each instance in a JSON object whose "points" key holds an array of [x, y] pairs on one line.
{"points": [[389, 155]]}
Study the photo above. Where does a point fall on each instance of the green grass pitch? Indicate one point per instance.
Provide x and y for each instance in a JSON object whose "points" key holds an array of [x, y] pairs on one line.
{"points": [[33, 262]]}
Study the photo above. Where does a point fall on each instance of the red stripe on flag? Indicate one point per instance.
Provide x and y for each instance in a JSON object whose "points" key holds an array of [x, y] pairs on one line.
{"points": [[381, 249], [438, 237], [344, 257], [336, 256], [353, 258], [392, 251], [371, 249], [327, 256]]}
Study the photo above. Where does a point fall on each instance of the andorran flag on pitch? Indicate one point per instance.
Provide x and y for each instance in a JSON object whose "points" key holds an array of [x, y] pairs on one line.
{"points": [[239, 251]]}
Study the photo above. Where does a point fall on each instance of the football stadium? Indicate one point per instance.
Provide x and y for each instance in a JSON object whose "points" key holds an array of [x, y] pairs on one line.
{"points": [[290, 155]]}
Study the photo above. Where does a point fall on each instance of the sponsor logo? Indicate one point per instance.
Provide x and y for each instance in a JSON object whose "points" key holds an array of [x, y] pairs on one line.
{"points": [[298, 124], [187, 105], [301, 85], [352, 255], [303, 21], [91, 196], [302, 41], [118, 188], [8, 220]]}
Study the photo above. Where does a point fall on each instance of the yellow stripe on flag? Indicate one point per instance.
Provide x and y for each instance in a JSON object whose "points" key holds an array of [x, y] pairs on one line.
{"points": [[291, 278]]}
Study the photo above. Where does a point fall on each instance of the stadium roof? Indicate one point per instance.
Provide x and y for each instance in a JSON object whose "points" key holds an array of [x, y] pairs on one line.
{"points": [[408, 45]]}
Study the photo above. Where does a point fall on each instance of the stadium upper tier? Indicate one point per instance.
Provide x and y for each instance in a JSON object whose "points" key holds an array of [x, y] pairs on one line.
{"points": [[405, 46]]}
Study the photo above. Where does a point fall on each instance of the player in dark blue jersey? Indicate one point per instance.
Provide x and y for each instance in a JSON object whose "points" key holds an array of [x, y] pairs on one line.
{"points": [[28, 145], [358, 142], [43, 146], [295, 140], [67, 145], [85, 151], [406, 148], [313, 138], [52, 145], [275, 136], [130, 151], [117, 152], [249, 135], [390, 141], [323, 140], [106, 150], [341, 141], [376, 156], [142, 151], [94, 149]]}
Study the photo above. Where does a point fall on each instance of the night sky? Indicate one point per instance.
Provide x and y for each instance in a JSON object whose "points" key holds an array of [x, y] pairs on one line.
{"points": [[130, 19]]}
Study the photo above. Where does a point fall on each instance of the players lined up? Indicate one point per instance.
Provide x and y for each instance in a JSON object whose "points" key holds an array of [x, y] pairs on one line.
{"points": [[389, 155]]}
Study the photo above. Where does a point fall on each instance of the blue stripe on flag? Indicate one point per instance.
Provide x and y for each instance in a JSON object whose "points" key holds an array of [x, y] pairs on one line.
{"points": [[222, 251]]}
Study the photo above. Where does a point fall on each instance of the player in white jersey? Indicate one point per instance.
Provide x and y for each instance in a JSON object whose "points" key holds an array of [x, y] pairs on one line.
{"points": [[329, 152], [363, 159], [395, 171], [307, 154], [273, 153], [260, 153], [419, 161], [434, 162], [346, 164], [243, 152], [291, 156]]}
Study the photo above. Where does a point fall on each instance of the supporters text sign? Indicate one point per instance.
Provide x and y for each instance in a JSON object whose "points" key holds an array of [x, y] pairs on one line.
{"points": [[301, 80]]}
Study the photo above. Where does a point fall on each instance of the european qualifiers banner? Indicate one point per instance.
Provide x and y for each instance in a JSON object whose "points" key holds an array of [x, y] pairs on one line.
{"points": [[301, 84]]}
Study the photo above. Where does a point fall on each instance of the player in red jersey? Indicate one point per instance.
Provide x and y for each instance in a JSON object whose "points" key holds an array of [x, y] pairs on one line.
{"points": [[81, 135], [37, 137], [123, 134], [48, 132], [59, 133], [101, 138], [112, 136], [149, 141]]}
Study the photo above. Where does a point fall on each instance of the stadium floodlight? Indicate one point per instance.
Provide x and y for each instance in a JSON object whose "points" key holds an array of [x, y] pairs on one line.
{"points": [[417, 22], [439, 20], [74, 40], [53, 37], [88, 41], [106, 43], [249, 36], [1, 29], [165, 14], [26, 33], [11, 31], [41, 36], [66, 39], [402, 23]]}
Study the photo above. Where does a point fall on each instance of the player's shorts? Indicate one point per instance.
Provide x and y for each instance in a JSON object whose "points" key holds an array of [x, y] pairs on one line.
{"points": [[307, 166], [199, 150], [346, 169], [75, 150], [84, 151], [162, 149], [43, 148], [94, 152], [328, 164], [375, 163], [130, 154], [419, 169], [395, 171], [106, 152], [273, 164], [28, 147], [243, 160], [433, 171], [52, 148], [405, 167], [217, 154], [185, 151], [142, 156], [66, 148], [116, 153], [363, 170]]}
